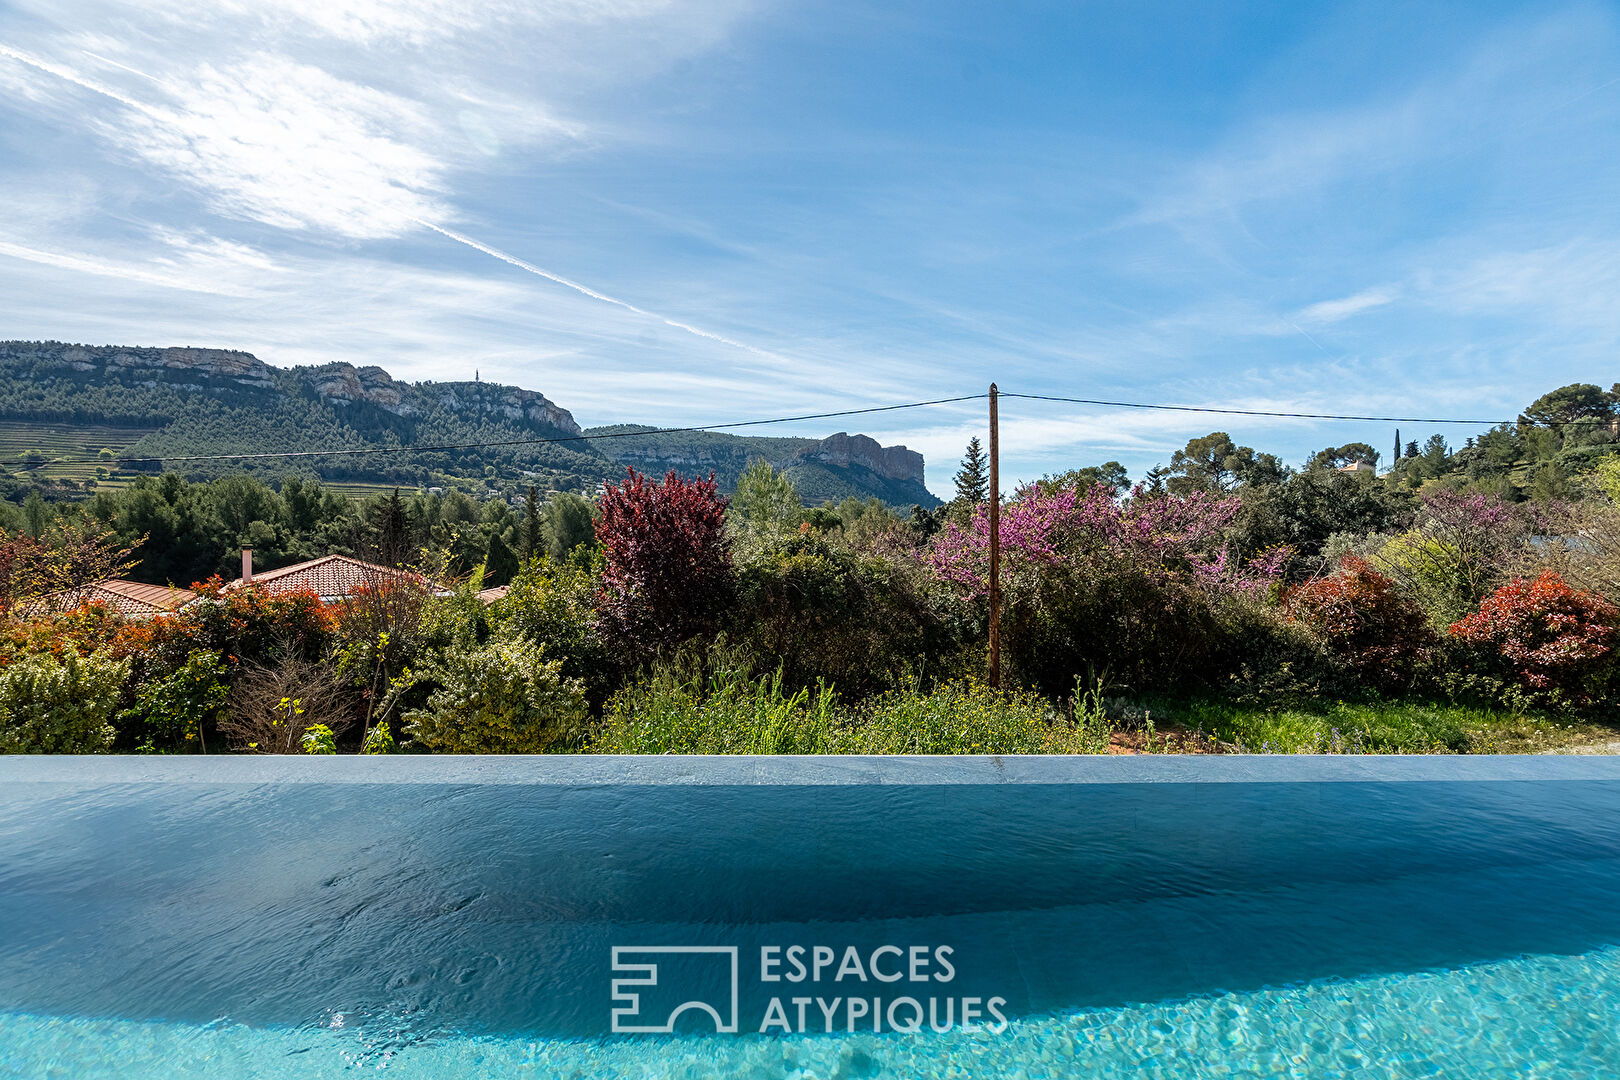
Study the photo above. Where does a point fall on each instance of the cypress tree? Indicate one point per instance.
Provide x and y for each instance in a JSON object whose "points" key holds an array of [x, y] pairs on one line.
{"points": [[533, 537], [500, 563], [392, 524]]}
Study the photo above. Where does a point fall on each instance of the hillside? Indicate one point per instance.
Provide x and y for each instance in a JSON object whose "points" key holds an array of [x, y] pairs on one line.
{"points": [[60, 402]]}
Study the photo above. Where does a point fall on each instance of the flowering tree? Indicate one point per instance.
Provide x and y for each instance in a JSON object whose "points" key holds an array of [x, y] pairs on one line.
{"points": [[1456, 552], [668, 566], [1096, 586], [1166, 536], [1554, 637]]}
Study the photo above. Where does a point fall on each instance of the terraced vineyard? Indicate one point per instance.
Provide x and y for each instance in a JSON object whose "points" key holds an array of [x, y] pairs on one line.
{"points": [[56, 441]]}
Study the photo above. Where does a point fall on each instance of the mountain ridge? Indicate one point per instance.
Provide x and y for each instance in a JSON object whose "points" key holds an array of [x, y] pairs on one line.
{"points": [[336, 418]]}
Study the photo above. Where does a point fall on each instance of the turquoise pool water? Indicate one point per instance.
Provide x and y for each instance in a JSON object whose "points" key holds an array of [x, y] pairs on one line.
{"points": [[1274, 928]]}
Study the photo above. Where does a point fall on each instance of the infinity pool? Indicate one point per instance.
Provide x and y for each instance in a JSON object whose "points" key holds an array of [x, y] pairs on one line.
{"points": [[798, 918]]}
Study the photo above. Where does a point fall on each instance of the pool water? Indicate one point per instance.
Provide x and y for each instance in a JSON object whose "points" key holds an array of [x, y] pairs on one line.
{"points": [[1370, 925]]}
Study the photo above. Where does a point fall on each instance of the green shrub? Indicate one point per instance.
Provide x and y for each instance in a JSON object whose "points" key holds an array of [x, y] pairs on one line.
{"points": [[318, 739], [50, 706], [497, 698], [552, 605], [175, 708], [864, 624], [1268, 659]]}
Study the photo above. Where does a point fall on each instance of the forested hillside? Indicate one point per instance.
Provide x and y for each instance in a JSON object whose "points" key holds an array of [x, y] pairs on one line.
{"points": [[72, 413]]}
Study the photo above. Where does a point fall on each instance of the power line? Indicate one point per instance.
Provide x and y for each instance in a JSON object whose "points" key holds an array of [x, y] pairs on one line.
{"points": [[442, 447], [1263, 412], [285, 454]]}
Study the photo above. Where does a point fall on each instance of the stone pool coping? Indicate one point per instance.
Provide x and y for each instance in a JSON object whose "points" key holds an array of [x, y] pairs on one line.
{"points": [[594, 770]]}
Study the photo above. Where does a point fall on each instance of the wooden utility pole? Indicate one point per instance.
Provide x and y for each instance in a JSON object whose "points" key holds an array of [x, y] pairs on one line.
{"points": [[995, 545]]}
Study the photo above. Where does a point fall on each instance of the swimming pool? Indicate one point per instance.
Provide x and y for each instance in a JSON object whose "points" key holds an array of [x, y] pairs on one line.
{"points": [[875, 917]]}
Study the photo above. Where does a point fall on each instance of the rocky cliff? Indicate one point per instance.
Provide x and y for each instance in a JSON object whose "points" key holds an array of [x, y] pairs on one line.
{"points": [[182, 368], [844, 450]]}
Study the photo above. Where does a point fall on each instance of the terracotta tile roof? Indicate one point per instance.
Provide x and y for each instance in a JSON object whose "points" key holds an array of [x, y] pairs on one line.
{"points": [[489, 596], [329, 577], [132, 599]]}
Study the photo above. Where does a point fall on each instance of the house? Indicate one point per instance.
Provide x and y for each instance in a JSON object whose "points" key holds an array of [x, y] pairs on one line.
{"points": [[131, 599], [489, 596], [331, 577], [1356, 467]]}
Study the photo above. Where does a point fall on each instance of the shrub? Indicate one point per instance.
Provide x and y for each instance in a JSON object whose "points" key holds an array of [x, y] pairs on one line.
{"points": [[1554, 638], [1268, 659], [551, 605], [250, 624], [318, 739], [176, 708], [270, 709], [1378, 633], [51, 706], [863, 624], [498, 698], [668, 571]]}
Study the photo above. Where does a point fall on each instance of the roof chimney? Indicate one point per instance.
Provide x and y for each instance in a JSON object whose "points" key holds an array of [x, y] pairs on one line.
{"points": [[247, 566]]}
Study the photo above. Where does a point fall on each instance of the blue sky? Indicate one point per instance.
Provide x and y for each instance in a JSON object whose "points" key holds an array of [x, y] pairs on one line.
{"points": [[768, 208]]}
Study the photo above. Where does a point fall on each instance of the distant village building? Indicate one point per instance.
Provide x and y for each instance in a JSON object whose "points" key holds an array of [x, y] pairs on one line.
{"points": [[131, 599], [1357, 467], [489, 596]]}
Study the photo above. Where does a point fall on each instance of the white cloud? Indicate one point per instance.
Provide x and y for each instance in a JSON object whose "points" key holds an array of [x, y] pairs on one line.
{"points": [[289, 145], [1332, 311]]}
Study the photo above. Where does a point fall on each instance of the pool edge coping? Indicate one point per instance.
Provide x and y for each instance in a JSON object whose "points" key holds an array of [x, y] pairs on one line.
{"points": [[596, 770]]}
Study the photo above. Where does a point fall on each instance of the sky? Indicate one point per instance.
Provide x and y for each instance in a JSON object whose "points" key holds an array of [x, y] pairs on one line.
{"points": [[683, 212]]}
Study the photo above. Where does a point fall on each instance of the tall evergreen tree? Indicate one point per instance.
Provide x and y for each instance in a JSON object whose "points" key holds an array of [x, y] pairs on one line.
{"points": [[533, 537], [1396, 456], [972, 480], [392, 525], [500, 563]]}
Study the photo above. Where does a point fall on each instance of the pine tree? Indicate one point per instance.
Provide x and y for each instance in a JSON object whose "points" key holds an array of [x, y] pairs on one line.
{"points": [[972, 480], [1395, 458], [533, 538]]}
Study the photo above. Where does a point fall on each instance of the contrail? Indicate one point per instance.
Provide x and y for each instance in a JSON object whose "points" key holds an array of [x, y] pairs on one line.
{"points": [[595, 295], [69, 75]]}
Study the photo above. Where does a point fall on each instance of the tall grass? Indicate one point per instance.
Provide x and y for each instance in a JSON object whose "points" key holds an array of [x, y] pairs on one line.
{"points": [[1379, 728], [727, 711]]}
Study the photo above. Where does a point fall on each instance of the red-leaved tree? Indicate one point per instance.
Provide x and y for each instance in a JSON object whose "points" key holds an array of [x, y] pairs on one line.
{"points": [[1553, 636], [1363, 619], [668, 570]]}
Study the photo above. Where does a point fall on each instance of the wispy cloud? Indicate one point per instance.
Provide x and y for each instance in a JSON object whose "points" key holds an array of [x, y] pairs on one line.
{"points": [[191, 278], [1332, 311]]}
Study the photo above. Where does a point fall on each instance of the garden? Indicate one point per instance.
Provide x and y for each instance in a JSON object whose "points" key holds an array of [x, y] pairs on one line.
{"points": [[1223, 604]]}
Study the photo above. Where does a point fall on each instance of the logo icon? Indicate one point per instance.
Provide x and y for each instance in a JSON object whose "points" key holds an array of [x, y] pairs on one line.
{"points": [[710, 970]]}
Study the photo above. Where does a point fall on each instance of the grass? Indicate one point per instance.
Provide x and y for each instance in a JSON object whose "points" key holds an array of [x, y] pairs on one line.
{"points": [[728, 712], [1381, 728]]}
